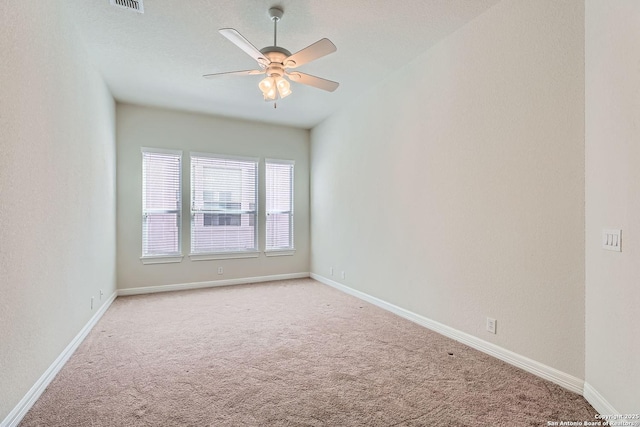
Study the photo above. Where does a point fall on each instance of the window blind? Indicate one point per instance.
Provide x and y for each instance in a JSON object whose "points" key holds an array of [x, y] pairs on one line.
{"points": [[279, 204], [161, 203], [223, 204]]}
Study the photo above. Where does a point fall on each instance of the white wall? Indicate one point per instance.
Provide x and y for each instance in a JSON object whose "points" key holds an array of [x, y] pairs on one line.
{"points": [[455, 189], [612, 53], [57, 192], [150, 127]]}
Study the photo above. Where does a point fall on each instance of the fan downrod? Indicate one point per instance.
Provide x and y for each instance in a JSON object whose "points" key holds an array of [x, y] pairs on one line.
{"points": [[275, 13]]}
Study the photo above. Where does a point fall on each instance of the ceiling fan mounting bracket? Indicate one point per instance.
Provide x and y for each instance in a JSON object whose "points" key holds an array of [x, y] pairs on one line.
{"points": [[276, 13]]}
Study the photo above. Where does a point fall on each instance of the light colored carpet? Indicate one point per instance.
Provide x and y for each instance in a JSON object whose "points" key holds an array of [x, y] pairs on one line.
{"points": [[290, 353]]}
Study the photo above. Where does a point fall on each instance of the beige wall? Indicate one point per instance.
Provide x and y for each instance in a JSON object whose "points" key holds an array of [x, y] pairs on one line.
{"points": [[455, 189], [612, 51], [57, 192], [149, 127]]}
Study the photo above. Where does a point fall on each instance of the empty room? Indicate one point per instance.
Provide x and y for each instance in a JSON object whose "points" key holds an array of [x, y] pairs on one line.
{"points": [[319, 213]]}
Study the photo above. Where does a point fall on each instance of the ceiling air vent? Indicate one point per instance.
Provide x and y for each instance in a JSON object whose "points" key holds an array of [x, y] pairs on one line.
{"points": [[135, 5]]}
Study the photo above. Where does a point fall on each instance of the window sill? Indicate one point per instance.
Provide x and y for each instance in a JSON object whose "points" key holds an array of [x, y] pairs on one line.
{"points": [[224, 255], [280, 252], [161, 259]]}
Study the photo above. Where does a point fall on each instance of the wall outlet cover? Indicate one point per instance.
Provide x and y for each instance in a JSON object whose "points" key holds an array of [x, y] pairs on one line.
{"points": [[612, 239], [491, 325]]}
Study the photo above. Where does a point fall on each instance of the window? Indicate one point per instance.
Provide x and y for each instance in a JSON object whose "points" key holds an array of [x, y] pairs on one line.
{"points": [[279, 199], [161, 204], [223, 205]]}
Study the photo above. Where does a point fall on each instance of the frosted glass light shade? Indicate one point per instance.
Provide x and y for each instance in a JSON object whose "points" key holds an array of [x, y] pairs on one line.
{"points": [[284, 89], [268, 88], [271, 87]]}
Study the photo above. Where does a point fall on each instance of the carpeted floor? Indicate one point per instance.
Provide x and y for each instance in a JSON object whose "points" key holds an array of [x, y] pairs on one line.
{"points": [[290, 353]]}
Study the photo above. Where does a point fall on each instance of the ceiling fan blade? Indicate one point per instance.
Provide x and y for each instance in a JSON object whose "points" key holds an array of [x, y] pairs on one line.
{"points": [[238, 39], [310, 53], [307, 79], [232, 73]]}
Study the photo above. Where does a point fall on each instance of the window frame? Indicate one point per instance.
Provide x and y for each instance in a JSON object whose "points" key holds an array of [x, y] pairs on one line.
{"points": [[290, 250], [230, 254], [169, 257]]}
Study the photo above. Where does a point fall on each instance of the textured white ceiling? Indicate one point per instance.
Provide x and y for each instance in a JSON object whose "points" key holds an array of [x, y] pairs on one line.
{"points": [[157, 58]]}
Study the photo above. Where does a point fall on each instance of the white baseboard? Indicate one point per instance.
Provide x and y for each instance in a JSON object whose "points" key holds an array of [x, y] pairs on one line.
{"points": [[598, 402], [209, 284], [21, 409], [547, 372]]}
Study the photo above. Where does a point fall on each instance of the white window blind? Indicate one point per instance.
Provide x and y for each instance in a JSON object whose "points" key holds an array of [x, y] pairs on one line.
{"points": [[279, 201], [161, 202], [223, 204]]}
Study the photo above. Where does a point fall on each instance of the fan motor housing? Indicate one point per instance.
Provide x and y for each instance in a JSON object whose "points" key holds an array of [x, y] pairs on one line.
{"points": [[276, 56], [275, 69], [275, 53]]}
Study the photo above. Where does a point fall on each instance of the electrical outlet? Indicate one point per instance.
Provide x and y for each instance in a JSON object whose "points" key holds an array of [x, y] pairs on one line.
{"points": [[220, 270], [343, 275], [91, 303], [491, 325], [101, 294], [331, 271], [612, 240]]}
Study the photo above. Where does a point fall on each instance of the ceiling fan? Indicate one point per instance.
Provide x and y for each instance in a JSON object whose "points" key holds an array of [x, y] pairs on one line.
{"points": [[277, 62]]}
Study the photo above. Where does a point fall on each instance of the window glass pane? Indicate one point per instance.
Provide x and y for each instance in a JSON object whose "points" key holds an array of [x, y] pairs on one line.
{"points": [[162, 233], [161, 203], [279, 231], [279, 201], [223, 205]]}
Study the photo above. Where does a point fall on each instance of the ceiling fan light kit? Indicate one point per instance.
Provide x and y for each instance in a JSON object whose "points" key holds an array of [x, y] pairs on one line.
{"points": [[275, 61], [271, 87]]}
